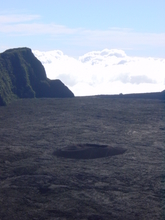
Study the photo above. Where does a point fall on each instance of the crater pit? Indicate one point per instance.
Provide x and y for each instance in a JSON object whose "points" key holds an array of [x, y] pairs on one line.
{"points": [[88, 151]]}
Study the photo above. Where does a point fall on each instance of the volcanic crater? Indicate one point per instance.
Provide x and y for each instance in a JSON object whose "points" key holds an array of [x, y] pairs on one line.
{"points": [[88, 151]]}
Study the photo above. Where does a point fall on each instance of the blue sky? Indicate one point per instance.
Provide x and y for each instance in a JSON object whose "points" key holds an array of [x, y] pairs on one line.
{"points": [[79, 26], [93, 46]]}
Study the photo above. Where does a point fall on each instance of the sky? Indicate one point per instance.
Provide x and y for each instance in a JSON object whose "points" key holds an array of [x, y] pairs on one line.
{"points": [[93, 46]]}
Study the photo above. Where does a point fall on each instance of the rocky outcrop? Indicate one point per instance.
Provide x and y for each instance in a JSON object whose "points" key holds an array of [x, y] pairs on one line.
{"points": [[23, 76]]}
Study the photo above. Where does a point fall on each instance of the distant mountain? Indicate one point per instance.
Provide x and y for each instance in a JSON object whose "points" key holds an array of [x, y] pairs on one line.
{"points": [[23, 76]]}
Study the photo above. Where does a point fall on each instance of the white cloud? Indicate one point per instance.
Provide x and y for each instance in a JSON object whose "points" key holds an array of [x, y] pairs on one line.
{"points": [[17, 18], [35, 29], [105, 72], [24, 24]]}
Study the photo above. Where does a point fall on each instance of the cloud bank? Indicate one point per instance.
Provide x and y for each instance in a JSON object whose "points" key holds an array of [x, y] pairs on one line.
{"points": [[104, 72]]}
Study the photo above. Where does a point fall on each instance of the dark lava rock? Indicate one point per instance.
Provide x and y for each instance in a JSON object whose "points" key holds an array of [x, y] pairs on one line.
{"points": [[23, 76], [35, 184], [150, 95], [88, 151]]}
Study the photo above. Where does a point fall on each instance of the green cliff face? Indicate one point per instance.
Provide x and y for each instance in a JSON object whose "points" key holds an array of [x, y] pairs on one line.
{"points": [[23, 76]]}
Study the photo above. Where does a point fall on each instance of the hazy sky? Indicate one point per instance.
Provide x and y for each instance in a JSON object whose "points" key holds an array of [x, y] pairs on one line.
{"points": [[80, 26], [116, 43]]}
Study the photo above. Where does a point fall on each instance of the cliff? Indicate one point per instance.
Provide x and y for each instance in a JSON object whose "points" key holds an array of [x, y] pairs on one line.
{"points": [[23, 76]]}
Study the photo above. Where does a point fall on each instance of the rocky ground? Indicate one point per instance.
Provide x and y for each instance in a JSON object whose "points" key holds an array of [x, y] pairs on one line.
{"points": [[35, 183]]}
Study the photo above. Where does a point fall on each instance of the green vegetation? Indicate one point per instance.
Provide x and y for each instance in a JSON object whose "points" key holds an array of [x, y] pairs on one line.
{"points": [[23, 76]]}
